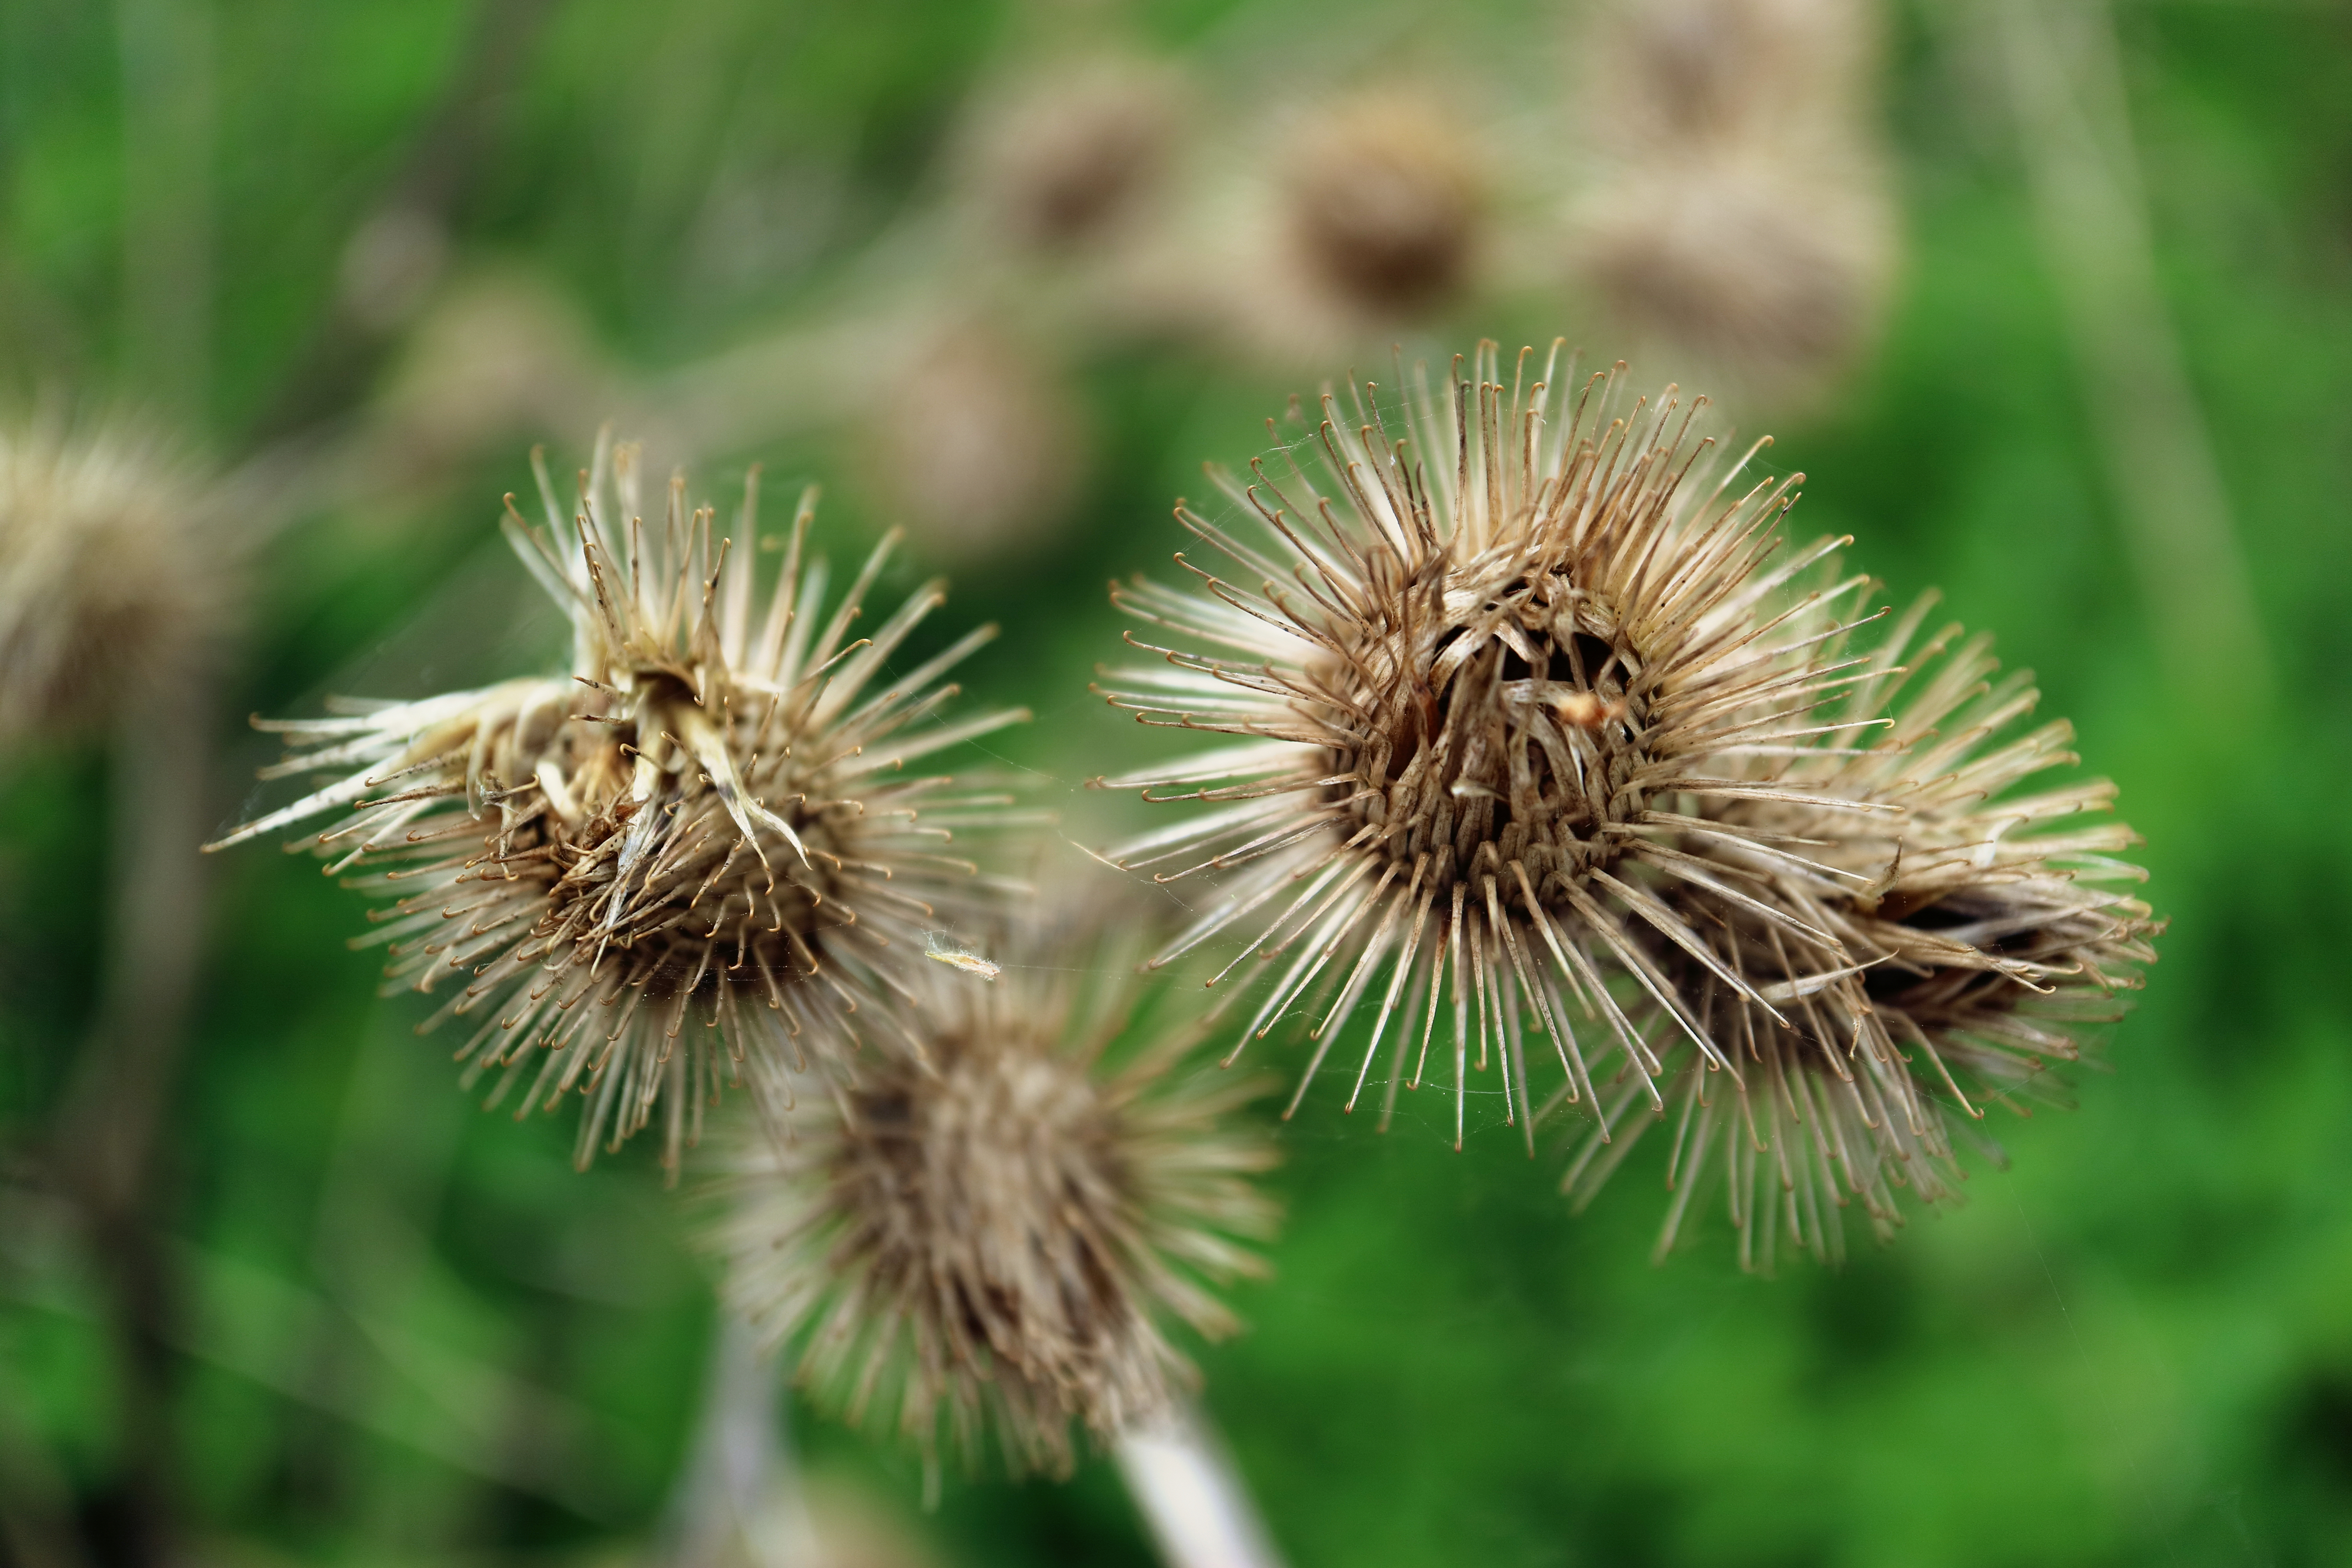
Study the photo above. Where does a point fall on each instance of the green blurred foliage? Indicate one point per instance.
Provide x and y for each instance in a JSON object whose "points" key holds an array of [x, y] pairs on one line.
{"points": [[414, 1335]]}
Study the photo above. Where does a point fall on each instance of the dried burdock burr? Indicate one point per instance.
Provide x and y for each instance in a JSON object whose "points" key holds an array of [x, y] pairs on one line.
{"points": [[992, 1238], [1383, 204], [1070, 149], [1372, 214], [1772, 272], [1684, 72], [980, 448], [1740, 214], [694, 861], [1986, 928], [499, 355], [1542, 730], [110, 568]]}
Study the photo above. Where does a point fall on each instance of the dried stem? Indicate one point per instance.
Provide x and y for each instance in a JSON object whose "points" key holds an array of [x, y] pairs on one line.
{"points": [[1192, 1496], [739, 1499], [108, 1128]]}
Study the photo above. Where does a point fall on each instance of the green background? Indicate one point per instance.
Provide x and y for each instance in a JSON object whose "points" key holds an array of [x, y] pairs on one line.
{"points": [[2134, 1348]]}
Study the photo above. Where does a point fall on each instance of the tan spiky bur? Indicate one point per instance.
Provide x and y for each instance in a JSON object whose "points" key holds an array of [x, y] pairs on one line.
{"points": [[1687, 71], [1741, 216], [110, 570], [982, 448], [1383, 204], [993, 1237], [1063, 154], [1991, 931], [1542, 733], [1772, 272], [696, 861]]}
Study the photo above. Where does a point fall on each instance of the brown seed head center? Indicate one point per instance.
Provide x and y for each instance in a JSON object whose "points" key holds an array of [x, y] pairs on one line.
{"points": [[996, 1181], [1512, 732], [664, 887]]}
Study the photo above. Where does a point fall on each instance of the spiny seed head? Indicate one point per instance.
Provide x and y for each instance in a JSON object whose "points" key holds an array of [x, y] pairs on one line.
{"points": [[1384, 202], [982, 450], [692, 861], [1740, 218], [1065, 155], [1770, 271], [1987, 928], [1681, 72], [500, 354], [1543, 732], [996, 1234], [109, 569]]}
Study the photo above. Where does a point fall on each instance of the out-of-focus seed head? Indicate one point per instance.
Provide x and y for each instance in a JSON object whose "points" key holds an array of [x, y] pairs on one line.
{"points": [[694, 861], [1738, 219], [1541, 731], [1772, 276], [1068, 152], [995, 1236], [389, 266], [981, 450], [111, 565], [1384, 204], [1689, 71], [497, 356]]}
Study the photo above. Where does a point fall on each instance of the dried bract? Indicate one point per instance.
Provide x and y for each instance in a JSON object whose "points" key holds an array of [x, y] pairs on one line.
{"points": [[1541, 708], [107, 570], [994, 1236], [692, 861]]}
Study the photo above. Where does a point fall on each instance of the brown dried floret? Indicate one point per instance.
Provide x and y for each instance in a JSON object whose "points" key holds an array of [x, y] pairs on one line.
{"points": [[994, 1237], [1740, 217], [1532, 700], [1070, 149], [112, 567], [693, 861], [1384, 204]]}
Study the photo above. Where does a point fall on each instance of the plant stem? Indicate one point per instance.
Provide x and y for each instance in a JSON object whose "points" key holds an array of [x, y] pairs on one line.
{"points": [[738, 1500], [1192, 1496], [108, 1126], [2073, 127]]}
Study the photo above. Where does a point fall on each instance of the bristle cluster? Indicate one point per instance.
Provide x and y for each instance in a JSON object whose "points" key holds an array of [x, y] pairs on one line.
{"points": [[1544, 732], [691, 863], [1984, 927], [993, 1236]]}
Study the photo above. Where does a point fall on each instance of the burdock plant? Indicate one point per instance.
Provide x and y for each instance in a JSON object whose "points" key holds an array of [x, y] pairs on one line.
{"points": [[110, 574], [992, 1237], [1542, 728], [691, 861]]}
